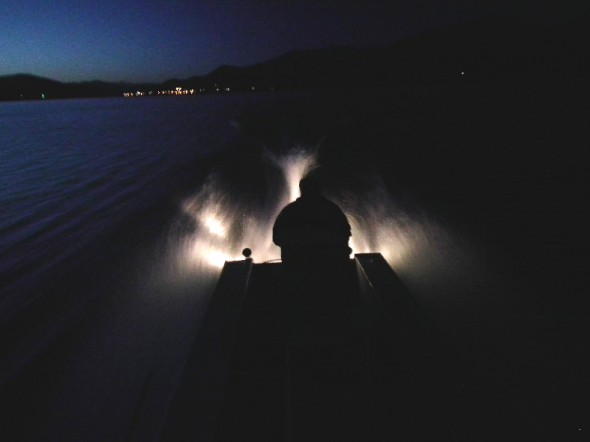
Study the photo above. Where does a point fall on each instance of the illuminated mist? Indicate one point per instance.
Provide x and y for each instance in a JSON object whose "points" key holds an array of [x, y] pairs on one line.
{"points": [[223, 226], [442, 267]]}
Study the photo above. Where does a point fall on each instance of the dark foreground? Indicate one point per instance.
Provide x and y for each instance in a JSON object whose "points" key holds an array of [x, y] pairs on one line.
{"points": [[502, 162], [350, 358]]}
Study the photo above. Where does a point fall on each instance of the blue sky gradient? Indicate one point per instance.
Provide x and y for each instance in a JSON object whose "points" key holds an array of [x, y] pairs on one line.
{"points": [[126, 40]]}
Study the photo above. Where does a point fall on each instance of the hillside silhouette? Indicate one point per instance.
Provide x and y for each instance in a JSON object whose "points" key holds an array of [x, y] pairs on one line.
{"points": [[484, 51]]}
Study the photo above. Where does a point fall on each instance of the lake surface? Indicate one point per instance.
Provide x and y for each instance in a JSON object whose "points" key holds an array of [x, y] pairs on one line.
{"points": [[118, 213], [74, 169]]}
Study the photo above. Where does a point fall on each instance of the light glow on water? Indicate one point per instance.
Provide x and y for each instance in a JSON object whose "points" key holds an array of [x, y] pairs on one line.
{"points": [[224, 224], [432, 260], [295, 166], [215, 226], [206, 253]]}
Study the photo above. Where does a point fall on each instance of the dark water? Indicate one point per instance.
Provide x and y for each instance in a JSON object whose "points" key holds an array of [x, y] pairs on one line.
{"points": [[116, 215], [74, 169]]}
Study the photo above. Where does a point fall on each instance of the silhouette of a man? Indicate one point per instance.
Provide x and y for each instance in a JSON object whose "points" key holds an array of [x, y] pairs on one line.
{"points": [[313, 235], [312, 228]]}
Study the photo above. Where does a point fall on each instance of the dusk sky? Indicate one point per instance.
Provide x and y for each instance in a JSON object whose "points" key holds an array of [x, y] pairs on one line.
{"points": [[127, 40]]}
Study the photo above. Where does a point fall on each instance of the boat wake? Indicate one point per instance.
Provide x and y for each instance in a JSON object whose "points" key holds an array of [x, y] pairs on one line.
{"points": [[222, 220]]}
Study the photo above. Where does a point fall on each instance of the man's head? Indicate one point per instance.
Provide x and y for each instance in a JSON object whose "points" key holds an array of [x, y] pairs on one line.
{"points": [[310, 186]]}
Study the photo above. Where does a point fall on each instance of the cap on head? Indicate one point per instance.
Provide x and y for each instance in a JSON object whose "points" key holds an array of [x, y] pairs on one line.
{"points": [[310, 185]]}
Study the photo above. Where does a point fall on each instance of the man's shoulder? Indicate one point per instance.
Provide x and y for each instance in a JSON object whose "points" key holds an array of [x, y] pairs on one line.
{"points": [[288, 211], [293, 205]]}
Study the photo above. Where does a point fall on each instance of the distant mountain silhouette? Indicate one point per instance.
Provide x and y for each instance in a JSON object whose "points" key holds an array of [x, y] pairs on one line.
{"points": [[27, 87], [482, 51]]}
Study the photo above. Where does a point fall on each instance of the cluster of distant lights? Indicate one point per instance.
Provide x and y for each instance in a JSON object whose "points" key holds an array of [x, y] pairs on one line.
{"points": [[178, 92], [181, 91]]}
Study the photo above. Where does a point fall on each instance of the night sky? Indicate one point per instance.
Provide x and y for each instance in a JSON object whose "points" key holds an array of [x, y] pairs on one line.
{"points": [[127, 40]]}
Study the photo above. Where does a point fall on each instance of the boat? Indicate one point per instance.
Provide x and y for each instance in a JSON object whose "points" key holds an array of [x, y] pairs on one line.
{"points": [[256, 373]]}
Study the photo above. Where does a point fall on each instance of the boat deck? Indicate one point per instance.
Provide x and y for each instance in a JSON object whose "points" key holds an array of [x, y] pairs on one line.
{"points": [[275, 363], [350, 358]]}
